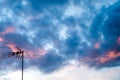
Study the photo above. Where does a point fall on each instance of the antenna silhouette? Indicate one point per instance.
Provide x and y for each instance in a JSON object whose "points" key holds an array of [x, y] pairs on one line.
{"points": [[18, 54], [22, 64]]}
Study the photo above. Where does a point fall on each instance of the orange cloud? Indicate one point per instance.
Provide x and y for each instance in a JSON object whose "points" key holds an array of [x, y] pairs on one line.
{"points": [[1, 39], [8, 30], [42, 52], [12, 47], [97, 45], [108, 57], [37, 53], [29, 54]]}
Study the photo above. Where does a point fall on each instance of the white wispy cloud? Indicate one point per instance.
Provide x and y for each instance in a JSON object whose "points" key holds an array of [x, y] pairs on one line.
{"points": [[74, 11], [70, 72]]}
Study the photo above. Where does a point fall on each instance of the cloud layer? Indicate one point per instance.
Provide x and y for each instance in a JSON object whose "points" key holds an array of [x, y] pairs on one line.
{"points": [[54, 32]]}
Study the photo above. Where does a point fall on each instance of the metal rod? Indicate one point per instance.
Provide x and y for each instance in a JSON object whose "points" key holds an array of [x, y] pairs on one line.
{"points": [[22, 64]]}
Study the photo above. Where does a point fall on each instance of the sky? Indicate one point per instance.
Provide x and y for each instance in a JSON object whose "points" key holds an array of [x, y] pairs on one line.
{"points": [[61, 39]]}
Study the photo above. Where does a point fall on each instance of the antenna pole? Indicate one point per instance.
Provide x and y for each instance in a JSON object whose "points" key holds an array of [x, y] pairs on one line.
{"points": [[22, 64]]}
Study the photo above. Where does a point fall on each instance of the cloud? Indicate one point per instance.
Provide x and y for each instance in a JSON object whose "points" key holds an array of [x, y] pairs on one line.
{"points": [[42, 4], [74, 10], [52, 34], [50, 62], [69, 72]]}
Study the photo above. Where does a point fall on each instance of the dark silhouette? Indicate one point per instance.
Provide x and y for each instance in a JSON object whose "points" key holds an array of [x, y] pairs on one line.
{"points": [[18, 54]]}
